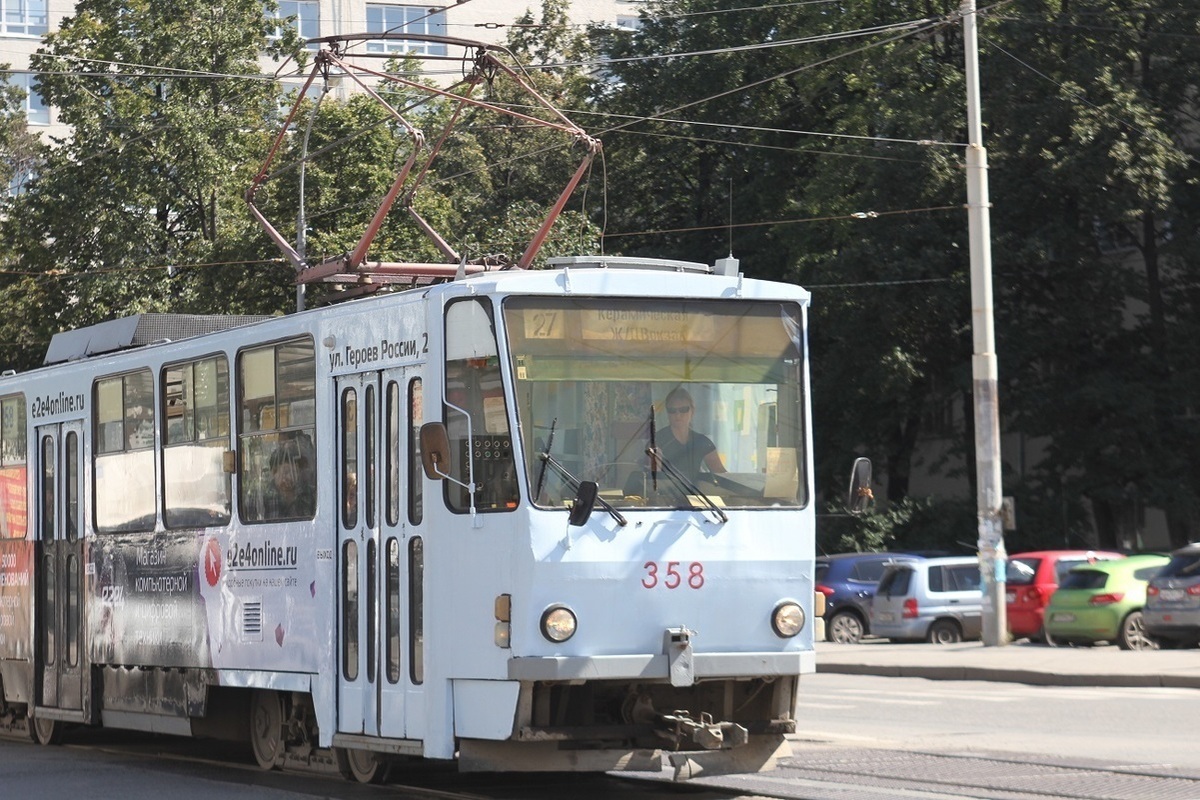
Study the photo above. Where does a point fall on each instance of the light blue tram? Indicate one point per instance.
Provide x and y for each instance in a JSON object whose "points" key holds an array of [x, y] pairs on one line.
{"points": [[553, 519]]}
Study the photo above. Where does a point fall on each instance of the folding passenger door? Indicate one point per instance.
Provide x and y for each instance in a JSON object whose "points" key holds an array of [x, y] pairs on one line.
{"points": [[402, 667], [61, 689], [380, 555], [358, 552]]}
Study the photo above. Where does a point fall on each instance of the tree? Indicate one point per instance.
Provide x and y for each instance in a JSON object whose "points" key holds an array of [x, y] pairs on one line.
{"points": [[1087, 105], [21, 155], [166, 107], [1091, 130], [890, 318]]}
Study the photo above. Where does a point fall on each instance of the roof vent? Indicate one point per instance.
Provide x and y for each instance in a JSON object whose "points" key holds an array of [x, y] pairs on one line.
{"points": [[623, 262]]}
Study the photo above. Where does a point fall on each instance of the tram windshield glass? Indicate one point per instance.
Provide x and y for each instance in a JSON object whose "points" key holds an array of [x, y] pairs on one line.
{"points": [[714, 388]]}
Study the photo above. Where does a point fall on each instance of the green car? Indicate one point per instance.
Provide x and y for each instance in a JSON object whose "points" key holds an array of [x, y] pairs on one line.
{"points": [[1102, 602]]}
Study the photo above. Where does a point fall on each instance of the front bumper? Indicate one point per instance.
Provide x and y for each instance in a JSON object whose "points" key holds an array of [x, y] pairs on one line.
{"points": [[658, 667]]}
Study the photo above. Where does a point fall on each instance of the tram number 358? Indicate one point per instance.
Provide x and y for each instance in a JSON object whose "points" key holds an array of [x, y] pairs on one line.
{"points": [[670, 577]]}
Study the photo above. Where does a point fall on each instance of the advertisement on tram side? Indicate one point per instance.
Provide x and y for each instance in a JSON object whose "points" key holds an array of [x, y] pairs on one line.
{"points": [[16, 566], [202, 599]]}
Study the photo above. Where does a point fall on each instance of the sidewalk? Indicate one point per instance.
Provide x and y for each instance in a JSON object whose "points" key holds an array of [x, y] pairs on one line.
{"points": [[1019, 662]]}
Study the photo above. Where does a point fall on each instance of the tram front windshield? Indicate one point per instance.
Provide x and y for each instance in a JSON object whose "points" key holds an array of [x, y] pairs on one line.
{"points": [[713, 389]]}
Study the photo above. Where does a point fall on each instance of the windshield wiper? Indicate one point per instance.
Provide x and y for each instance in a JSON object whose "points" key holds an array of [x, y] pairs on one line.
{"points": [[541, 481], [684, 482], [549, 461]]}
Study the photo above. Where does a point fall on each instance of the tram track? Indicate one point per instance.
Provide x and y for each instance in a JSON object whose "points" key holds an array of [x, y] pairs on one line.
{"points": [[865, 773], [816, 772]]}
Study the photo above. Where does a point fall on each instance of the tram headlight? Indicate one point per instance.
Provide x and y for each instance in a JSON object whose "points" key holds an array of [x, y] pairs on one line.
{"points": [[558, 623], [788, 619]]}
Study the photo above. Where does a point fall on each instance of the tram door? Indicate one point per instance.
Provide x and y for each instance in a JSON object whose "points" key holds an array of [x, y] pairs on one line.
{"points": [[379, 575], [59, 499]]}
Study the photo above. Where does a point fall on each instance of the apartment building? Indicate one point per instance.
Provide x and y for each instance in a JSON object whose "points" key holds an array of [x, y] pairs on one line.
{"points": [[23, 24]]}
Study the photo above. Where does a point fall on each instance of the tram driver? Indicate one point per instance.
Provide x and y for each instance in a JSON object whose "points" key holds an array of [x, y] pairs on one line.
{"points": [[687, 449]]}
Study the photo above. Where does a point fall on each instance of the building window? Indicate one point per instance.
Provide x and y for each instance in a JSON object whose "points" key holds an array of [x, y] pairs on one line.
{"points": [[35, 108], [405, 19], [303, 15], [25, 17]]}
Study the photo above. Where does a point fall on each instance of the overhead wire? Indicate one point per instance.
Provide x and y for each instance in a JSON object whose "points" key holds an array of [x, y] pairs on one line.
{"points": [[908, 29]]}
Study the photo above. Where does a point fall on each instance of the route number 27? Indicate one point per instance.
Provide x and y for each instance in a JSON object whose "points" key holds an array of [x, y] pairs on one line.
{"points": [[671, 577]]}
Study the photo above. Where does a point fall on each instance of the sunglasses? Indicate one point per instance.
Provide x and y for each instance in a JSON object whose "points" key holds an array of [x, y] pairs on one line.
{"points": [[679, 409]]}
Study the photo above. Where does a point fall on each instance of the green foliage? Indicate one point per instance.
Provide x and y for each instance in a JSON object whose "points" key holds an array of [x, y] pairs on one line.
{"points": [[163, 128], [1087, 132], [911, 525]]}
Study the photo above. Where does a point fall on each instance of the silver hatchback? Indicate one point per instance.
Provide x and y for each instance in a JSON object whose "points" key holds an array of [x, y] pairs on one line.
{"points": [[939, 600], [1172, 611]]}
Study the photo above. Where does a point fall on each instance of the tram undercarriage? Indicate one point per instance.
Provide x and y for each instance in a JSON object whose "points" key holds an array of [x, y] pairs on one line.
{"points": [[712, 727]]}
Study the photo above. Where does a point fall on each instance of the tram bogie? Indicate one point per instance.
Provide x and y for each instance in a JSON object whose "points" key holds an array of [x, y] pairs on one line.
{"points": [[502, 555]]}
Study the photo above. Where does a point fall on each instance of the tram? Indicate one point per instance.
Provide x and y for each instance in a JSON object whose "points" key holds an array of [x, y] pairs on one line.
{"points": [[436, 523]]}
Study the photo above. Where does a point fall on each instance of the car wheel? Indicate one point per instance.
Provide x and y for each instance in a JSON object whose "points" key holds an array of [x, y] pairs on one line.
{"points": [[944, 631], [845, 627], [1049, 640], [1132, 635]]}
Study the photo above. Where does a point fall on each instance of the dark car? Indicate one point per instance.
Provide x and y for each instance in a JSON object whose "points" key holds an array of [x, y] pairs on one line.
{"points": [[848, 582], [1172, 613]]}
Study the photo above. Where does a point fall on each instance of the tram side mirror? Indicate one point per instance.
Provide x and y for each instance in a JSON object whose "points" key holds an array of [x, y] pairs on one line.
{"points": [[585, 502], [435, 450], [860, 497]]}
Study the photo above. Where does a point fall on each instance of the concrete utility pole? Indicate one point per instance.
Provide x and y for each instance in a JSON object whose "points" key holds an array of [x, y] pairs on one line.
{"points": [[992, 556]]}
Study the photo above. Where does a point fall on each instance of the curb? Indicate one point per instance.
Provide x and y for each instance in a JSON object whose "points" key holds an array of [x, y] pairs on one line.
{"points": [[1025, 676]]}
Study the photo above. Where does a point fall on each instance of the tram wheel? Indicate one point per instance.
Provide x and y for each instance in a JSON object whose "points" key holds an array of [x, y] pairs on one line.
{"points": [[363, 766], [45, 731], [266, 728]]}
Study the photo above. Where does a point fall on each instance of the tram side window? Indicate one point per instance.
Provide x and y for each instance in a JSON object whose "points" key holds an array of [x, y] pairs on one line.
{"points": [[124, 452], [14, 507], [196, 436], [277, 411], [416, 477], [476, 412]]}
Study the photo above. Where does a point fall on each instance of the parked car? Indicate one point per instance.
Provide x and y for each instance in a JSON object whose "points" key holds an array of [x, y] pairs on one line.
{"points": [[1172, 613], [848, 582], [1102, 602], [1032, 577], [939, 600]]}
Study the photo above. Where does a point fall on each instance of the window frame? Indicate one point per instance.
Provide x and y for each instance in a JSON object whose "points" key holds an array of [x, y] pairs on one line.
{"points": [[219, 413], [132, 445], [426, 24]]}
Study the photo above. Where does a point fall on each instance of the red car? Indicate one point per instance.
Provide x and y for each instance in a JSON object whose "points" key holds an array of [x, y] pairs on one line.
{"points": [[1033, 577]]}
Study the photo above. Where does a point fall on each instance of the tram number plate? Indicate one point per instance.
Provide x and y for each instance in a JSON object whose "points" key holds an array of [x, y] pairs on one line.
{"points": [[672, 575]]}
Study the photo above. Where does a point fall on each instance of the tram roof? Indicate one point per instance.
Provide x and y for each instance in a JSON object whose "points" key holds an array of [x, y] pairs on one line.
{"points": [[137, 331]]}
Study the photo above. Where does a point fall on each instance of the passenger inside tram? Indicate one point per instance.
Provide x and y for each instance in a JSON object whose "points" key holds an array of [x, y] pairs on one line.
{"points": [[291, 492]]}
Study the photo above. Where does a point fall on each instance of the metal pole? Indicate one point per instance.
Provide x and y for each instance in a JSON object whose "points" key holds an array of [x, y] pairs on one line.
{"points": [[301, 219], [989, 495]]}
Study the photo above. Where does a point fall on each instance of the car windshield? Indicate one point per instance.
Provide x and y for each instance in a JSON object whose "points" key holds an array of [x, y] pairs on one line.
{"points": [[1020, 571], [1182, 566], [1084, 579]]}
